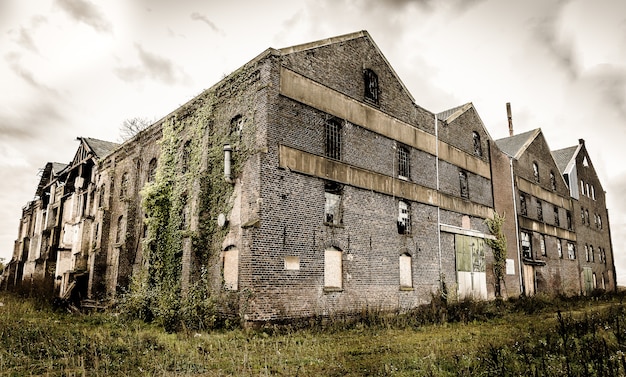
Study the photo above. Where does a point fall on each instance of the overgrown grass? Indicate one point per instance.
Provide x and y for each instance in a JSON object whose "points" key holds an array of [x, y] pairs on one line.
{"points": [[526, 336]]}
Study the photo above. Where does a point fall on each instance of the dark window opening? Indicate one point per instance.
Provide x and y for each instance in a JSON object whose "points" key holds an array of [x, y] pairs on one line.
{"points": [[371, 85], [568, 215], [587, 217], [539, 210], [464, 185], [404, 217], [186, 156], [536, 171], [119, 235], [522, 205], [236, 127], [333, 138], [557, 222], [553, 180], [478, 148], [403, 162], [124, 186], [333, 193], [152, 166]]}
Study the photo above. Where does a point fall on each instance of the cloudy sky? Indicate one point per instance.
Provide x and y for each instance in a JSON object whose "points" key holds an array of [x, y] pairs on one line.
{"points": [[72, 68]]}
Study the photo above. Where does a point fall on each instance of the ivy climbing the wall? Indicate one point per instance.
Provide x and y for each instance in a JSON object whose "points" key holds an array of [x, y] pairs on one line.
{"points": [[499, 250], [181, 203]]}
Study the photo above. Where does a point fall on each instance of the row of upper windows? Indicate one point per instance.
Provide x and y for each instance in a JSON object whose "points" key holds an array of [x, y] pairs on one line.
{"points": [[125, 188], [523, 198], [590, 254], [333, 149], [333, 209], [527, 250], [587, 190], [538, 178], [584, 217]]}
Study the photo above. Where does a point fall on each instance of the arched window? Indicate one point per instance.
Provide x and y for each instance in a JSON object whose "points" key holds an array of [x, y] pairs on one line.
{"points": [[371, 85], [120, 232], [536, 171], [152, 166], [124, 186], [478, 148]]}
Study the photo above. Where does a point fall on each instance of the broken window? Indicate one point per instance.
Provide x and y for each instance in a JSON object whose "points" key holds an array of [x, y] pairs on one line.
{"points": [[591, 253], [571, 251], [333, 138], [478, 148], [568, 215], [406, 277], [559, 249], [522, 205], [587, 217], [557, 222], [333, 269], [120, 233], [464, 185], [236, 127], [333, 193], [124, 186], [527, 250], [536, 171], [404, 217], [152, 166], [542, 244], [539, 210], [403, 162], [553, 180], [371, 85]]}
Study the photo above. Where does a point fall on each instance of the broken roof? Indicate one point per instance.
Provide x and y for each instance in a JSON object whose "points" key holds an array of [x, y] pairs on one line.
{"points": [[100, 148], [515, 145]]}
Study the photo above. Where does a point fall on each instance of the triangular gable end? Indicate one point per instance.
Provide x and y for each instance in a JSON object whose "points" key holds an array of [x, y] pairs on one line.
{"points": [[516, 145], [450, 115]]}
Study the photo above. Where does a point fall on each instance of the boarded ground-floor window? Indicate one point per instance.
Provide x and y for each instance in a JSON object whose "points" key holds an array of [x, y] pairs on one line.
{"points": [[333, 270], [231, 268], [406, 278]]}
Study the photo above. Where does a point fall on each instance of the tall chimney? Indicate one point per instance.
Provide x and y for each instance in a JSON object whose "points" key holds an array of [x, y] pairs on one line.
{"points": [[510, 117]]}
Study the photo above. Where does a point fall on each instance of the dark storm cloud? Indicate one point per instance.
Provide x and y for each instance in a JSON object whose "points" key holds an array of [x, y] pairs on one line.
{"points": [[152, 66], [13, 60], [202, 18], [86, 12]]}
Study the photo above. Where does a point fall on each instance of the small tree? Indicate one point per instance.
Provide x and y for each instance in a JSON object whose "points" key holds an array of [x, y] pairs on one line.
{"points": [[499, 250], [132, 126]]}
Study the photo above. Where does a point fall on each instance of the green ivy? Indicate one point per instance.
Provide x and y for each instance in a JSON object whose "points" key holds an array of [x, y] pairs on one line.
{"points": [[499, 249], [190, 168]]}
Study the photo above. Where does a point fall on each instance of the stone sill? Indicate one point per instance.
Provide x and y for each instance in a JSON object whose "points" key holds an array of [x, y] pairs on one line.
{"points": [[332, 289]]}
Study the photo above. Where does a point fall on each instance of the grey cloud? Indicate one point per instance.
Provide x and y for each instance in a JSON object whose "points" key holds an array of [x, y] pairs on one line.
{"points": [[13, 60], [152, 66], [610, 82], [25, 40], [202, 18], [87, 12], [27, 122]]}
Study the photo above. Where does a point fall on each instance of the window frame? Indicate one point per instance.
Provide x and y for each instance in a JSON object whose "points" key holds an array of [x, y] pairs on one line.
{"points": [[404, 217], [371, 86], [404, 162], [333, 140]]}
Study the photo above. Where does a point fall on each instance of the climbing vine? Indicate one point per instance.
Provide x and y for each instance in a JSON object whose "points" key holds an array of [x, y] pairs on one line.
{"points": [[499, 250], [181, 203]]}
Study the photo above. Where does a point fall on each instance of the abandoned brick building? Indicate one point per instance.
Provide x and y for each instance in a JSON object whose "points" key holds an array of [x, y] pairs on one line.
{"points": [[309, 182]]}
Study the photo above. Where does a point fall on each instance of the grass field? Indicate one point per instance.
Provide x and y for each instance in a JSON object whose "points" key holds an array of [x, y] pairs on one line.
{"points": [[539, 336]]}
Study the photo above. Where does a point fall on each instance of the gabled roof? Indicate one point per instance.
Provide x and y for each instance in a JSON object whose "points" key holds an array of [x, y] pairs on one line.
{"points": [[564, 156], [343, 38], [48, 173], [100, 148], [450, 115], [515, 145]]}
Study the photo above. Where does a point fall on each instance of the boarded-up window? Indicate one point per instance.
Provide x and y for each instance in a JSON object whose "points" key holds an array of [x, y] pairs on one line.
{"points": [[333, 269], [470, 265], [231, 268], [406, 277], [292, 263]]}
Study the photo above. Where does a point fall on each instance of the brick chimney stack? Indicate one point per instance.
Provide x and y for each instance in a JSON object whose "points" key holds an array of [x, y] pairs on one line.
{"points": [[510, 117]]}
